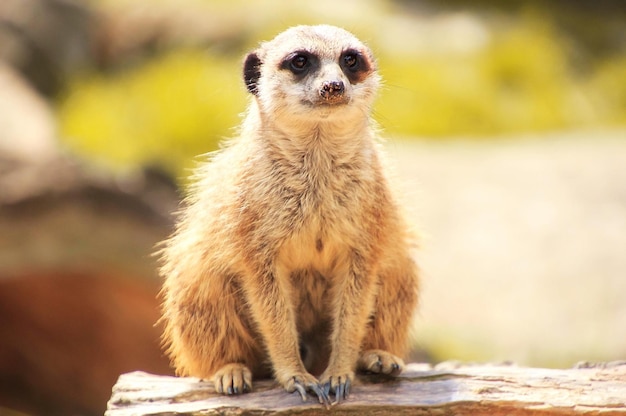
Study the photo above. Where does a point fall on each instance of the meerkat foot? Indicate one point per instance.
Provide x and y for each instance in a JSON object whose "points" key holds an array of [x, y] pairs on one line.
{"points": [[338, 384], [233, 379], [380, 362], [303, 383]]}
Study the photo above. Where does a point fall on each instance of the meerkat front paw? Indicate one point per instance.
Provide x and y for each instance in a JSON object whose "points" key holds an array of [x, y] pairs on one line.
{"points": [[338, 384], [303, 383], [380, 362], [233, 379]]}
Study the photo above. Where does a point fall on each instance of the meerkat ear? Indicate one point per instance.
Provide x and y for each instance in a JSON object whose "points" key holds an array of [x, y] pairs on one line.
{"points": [[252, 72]]}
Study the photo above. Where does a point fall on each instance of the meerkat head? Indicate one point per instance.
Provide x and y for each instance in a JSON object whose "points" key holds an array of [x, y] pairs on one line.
{"points": [[312, 73]]}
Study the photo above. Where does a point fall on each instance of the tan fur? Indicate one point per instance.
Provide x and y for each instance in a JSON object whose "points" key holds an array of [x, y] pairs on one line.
{"points": [[291, 236]]}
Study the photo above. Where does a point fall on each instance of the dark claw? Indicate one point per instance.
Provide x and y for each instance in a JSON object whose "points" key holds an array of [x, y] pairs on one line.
{"points": [[246, 387], [321, 394], [394, 367], [327, 389], [230, 390], [236, 390], [301, 390], [348, 386], [340, 392], [319, 391]]}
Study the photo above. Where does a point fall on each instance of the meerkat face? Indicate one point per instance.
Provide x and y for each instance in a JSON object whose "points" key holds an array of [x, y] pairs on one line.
{"points": [[312, 73]]}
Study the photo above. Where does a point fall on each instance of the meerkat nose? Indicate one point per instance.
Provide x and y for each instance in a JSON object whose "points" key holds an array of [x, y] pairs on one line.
{"points": [[332, 89]]}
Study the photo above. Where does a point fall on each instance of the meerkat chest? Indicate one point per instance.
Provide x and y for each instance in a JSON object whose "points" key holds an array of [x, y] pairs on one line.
{"points": [[327, 218], [319, 246]]}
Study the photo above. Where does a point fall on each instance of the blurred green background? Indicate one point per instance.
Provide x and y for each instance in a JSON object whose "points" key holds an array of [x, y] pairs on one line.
{"points": [[506, 121]]}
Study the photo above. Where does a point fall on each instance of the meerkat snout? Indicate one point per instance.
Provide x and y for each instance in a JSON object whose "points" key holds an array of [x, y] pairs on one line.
{"points": [[332, 90]]}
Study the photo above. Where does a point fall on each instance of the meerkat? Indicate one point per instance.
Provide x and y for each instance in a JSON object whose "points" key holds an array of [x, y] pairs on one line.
{"points": [[291, 256]]}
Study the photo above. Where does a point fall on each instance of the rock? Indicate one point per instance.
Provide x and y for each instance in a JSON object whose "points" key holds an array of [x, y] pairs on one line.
{"points": [[420, 390]]}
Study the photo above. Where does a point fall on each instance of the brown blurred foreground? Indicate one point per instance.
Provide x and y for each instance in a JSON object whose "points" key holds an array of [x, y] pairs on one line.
{"points": [[67, 336]]}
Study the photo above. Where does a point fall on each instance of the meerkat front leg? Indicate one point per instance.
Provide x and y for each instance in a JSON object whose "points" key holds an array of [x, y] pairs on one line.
{"points": [[354, 302], [270, 300]]}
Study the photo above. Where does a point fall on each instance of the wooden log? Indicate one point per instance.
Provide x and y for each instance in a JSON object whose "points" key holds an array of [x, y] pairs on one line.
{"points": [[445, 389]]}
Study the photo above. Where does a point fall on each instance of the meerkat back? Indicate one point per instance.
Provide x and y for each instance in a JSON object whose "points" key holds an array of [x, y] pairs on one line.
{"points": [[291, 257]]}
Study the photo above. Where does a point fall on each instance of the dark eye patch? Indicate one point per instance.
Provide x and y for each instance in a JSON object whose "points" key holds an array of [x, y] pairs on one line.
{"points": [[300, 63], [354, 65]]}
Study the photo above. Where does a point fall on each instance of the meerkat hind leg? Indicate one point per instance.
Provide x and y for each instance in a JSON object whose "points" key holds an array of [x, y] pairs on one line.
{"points": [[386, 338], [380, 362], [233, 378]]}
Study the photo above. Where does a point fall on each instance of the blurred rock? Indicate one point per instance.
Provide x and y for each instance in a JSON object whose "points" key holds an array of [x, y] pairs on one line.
{"points": [[27, 125], [135, 30], [64, 213], [45, 39]]}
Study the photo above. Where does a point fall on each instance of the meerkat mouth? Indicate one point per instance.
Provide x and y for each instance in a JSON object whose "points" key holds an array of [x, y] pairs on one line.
{"points": [[324, 109], [326, 103]]}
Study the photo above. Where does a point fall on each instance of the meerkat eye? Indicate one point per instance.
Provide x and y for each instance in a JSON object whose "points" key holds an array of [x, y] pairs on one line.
{"points": [[351, 61], [299, 64]]}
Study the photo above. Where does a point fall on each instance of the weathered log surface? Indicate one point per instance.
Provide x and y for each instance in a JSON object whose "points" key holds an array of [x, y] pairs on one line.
{"points": [[420, 390]]}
